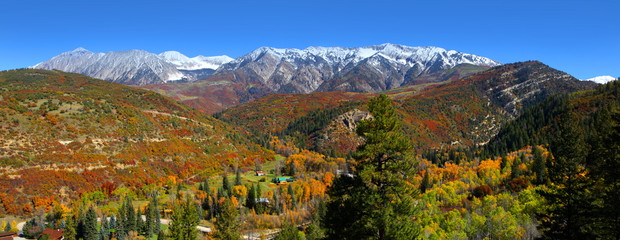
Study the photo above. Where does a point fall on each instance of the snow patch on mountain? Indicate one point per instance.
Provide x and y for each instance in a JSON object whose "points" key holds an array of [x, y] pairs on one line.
{"points": [[183, 62], [601, 79]]}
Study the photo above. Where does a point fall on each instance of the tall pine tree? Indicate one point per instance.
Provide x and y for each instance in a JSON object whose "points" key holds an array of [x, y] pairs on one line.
{"points": [[384, 165], [184, 221], [130, 214], [566, 195], [90, 225], [70, 231]]}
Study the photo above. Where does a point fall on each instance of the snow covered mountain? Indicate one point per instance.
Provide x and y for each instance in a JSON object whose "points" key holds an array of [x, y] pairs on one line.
{"points": [[601, 79], [135, 67], [363, 69], [267, 69], [183, 62]]}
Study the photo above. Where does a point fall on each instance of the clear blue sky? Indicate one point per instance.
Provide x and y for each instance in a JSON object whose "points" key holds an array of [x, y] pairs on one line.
{"points": [[581, 38]]}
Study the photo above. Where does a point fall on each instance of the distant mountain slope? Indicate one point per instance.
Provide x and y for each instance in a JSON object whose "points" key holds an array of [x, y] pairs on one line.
{"points": [[464, 112], [520, 85], [135, 67], [539, 124], [320, 69], [63, 134]]}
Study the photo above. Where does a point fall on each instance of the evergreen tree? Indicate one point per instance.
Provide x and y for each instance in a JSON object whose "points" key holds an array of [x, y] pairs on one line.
{"points": [[121, 222], [426, 183], [288, 232], [538, 166], [292, 195], [130, 223], [190, 219], [515, 172], [157, 223], [238, 178], [384, 164], [226, 223], [604, 163], [175, 227], [250, 202], [104, 231], [62, 225], [69, 232], [277, 209], [503, 163], [314, 231], [569, 202], [184, 221], [90, 225], [259, 207], [149, 225], [112, 222], [80, 220], [226, 185], [8, 227], [140, 224]]}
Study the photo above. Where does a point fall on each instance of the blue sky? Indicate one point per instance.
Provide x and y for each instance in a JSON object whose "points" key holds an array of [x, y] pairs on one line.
{"points": [[581, 38]]}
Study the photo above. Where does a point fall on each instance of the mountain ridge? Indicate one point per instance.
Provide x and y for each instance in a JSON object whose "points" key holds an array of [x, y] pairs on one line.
{"points": [[293, 70], [135, 67]]}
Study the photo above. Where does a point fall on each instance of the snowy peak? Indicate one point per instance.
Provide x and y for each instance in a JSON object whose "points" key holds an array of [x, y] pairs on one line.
{"points": [[183, 62], [601, 79], [135, 67], [174, 56], [290, 70], [79, 50], [343, 56]]}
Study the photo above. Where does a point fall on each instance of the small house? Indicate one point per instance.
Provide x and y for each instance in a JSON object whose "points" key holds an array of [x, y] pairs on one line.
{"points": [[260, 173], [8, 235], [280, 180], [53, 234]]}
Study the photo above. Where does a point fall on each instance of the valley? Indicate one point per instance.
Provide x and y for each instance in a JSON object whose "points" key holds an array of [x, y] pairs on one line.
{"points": [[472, 152]]}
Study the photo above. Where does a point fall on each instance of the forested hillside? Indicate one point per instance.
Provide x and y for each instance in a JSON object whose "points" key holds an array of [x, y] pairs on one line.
{"points": [[63, 135], [463, 113], [72, 143]]}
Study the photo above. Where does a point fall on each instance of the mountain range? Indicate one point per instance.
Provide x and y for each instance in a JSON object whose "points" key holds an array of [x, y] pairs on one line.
{"points": [[212, 84], [135, 67], [361, 69]]}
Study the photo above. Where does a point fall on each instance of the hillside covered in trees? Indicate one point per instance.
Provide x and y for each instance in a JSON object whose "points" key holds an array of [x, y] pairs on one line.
{"points": [[63, 135], [77, 149], [465, 112]]}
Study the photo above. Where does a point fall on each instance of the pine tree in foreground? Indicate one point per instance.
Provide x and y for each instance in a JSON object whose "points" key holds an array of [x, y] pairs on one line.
{"points": [[378, 201]]}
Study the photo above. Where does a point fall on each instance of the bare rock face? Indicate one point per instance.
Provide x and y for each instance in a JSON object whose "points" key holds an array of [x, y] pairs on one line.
{"points": [[340, 135], [350, 119], [517, 86]]}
